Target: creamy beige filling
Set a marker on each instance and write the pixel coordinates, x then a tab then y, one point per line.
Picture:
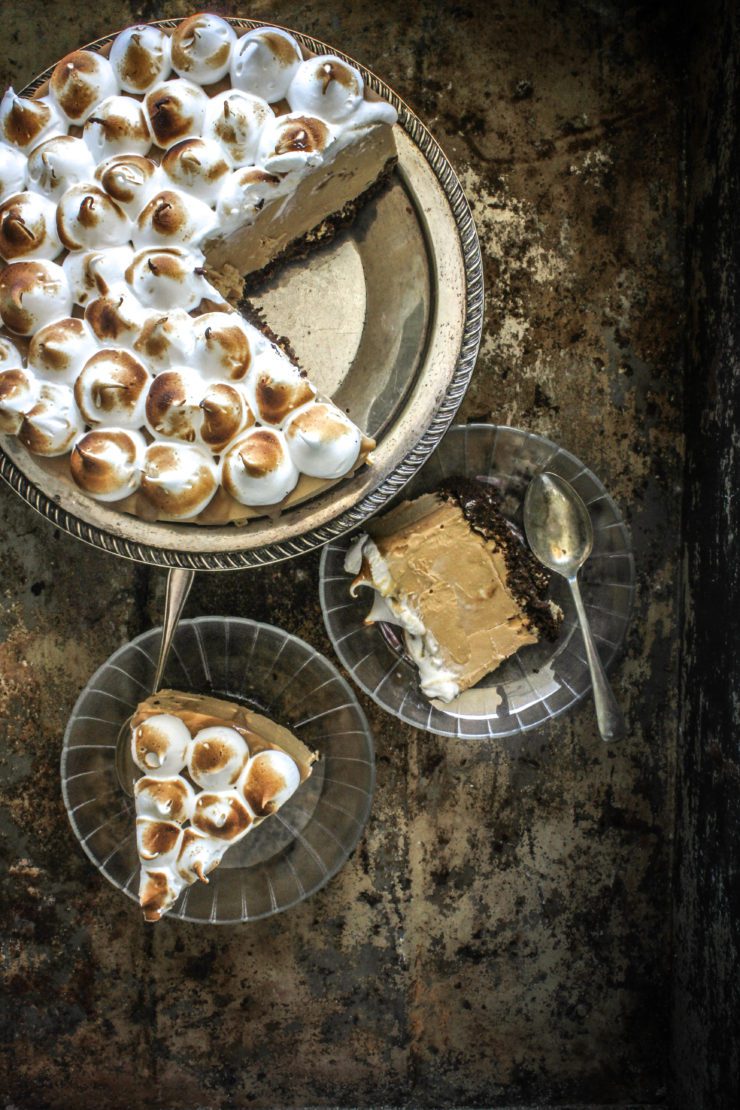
455	582
317	196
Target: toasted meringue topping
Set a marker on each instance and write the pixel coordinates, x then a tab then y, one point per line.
130	179
179	479
79	82
221	813
24	123
169	278
140	57
199	166
58	163
28	227
293	142
201	48
225	414
58	351
116	319
326	86
167	340
264	61
322	441
10	356
107	462
13	167
94	274
33	294
157	841
244	193
199	855
268	780
164	799
257	468
221	346
216	757
158	891
175	110
19	392
159	744
172	218
275	387
117	126
87	218
173	405
235	119
112	389
52	425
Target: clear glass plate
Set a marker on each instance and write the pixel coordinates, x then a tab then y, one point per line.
295	852
540	681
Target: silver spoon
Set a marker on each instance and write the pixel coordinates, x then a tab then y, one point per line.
178	587
560	533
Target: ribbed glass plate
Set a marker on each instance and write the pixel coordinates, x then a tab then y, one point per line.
292	854
541	680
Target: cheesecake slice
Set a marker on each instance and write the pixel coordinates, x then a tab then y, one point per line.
212	771
450	570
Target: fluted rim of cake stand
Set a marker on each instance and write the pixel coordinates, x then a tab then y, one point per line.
371	502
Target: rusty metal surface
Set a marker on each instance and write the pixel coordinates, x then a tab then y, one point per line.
502	935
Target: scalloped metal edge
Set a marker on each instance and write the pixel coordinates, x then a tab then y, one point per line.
377	498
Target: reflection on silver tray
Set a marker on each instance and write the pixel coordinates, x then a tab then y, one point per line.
541	680
387	319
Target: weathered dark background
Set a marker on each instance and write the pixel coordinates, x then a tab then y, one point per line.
504	933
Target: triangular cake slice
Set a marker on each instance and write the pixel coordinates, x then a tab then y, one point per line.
452	572
213	771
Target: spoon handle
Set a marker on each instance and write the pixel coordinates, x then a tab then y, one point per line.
608	714
179	582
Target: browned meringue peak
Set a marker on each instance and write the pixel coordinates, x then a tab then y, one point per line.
201	48
94	274
225	414
107	462
24	122
28	227
216	757
292	141
157	839
198	855
199	166
172	218
244	194
87	218
235	119
275	388
166	340
173	404
159	745
57	163
222	814
117	126
164	278
112	389
116	319
33	294
175	110
79	82
53	424
222	348
59	350
268	780
326	86
19	392
140	57
257	468
167	799
179	479
130	179
157	894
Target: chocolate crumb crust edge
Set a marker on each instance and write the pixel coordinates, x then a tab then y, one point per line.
528	580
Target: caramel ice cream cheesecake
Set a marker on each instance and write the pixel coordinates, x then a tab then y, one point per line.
212	771
134	185
452	573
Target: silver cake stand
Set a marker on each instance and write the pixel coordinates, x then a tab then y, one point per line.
387	320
